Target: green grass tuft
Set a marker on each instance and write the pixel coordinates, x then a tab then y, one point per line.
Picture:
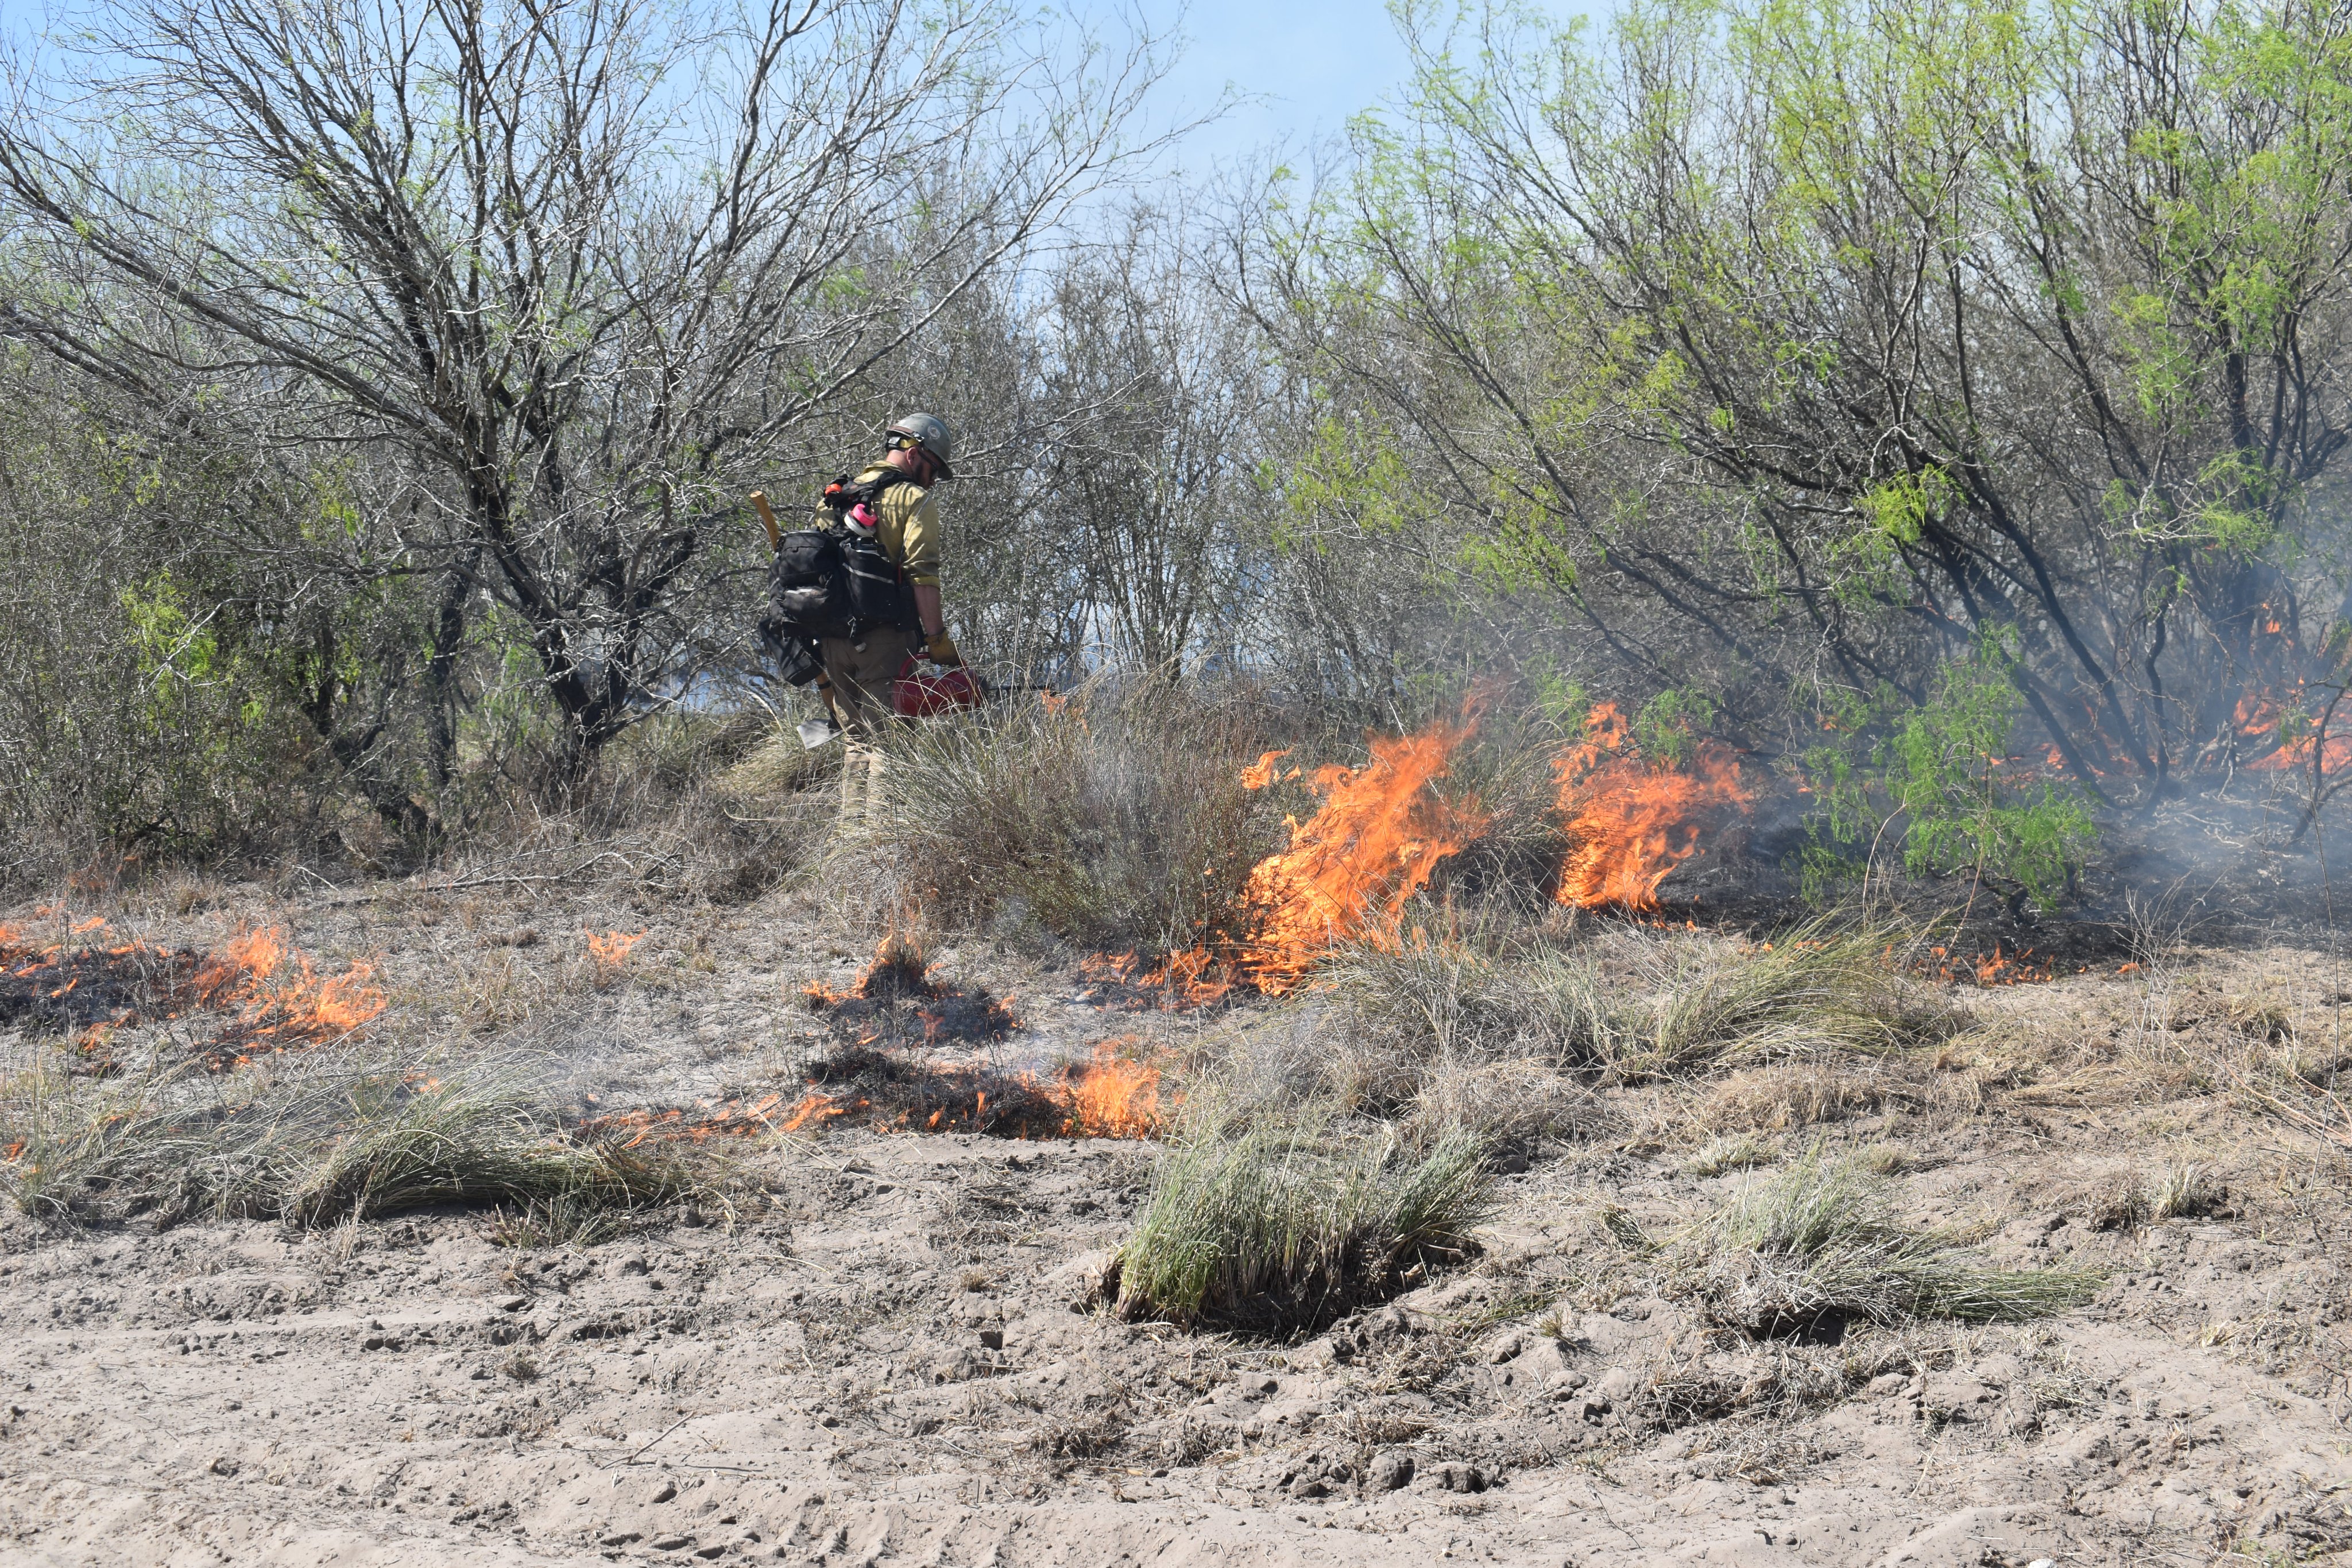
1817	1244
316	1144
1278	1226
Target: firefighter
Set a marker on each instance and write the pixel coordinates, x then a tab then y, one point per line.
859	672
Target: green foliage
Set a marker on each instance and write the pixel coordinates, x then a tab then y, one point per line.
1668	727
1759	335
1940	769
134	716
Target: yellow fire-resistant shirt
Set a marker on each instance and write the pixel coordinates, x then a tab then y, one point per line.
909	528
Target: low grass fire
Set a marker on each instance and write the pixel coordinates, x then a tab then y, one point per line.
1382	830
1116	1091
269	996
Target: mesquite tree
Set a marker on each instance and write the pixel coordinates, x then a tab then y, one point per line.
570	275
1806	347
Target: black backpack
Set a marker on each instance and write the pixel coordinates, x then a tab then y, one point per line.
834	580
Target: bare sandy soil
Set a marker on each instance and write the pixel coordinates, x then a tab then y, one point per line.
892	1350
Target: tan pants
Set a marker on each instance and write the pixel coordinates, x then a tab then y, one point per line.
861	679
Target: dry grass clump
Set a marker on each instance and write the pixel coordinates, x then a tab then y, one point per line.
1454	1031
1817	1245
1631	1005
1787	1095
1816	987
1278	1224
1732	1151
2183	1190
1475	990
1113	818
314	1145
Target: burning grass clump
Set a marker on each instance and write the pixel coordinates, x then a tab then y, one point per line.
264	993
313	1146
1115	1093
897	1001
1277	1225
1807	1250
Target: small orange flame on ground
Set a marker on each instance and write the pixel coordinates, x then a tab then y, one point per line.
283	999
1999	968
819	1109
1633	822
1116	1092
278	995
611	951
1114	1095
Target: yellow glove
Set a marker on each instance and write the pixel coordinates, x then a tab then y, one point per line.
941	650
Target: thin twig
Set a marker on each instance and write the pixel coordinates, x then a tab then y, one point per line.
633	1458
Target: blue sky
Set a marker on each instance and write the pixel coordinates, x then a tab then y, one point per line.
1312	62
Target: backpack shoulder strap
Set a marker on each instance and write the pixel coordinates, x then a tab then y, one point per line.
846	491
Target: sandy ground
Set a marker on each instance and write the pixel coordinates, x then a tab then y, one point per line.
893	1351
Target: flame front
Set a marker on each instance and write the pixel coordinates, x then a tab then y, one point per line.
1632	822
1112	1096
1350	867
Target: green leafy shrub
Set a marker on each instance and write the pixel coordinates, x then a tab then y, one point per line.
1937	769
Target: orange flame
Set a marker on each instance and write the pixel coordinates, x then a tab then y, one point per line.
1348	872
278	996
235	973
2260	724
301	1006
1634	822
1350	867
611	951
1112	1096
1262	772
818	1109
